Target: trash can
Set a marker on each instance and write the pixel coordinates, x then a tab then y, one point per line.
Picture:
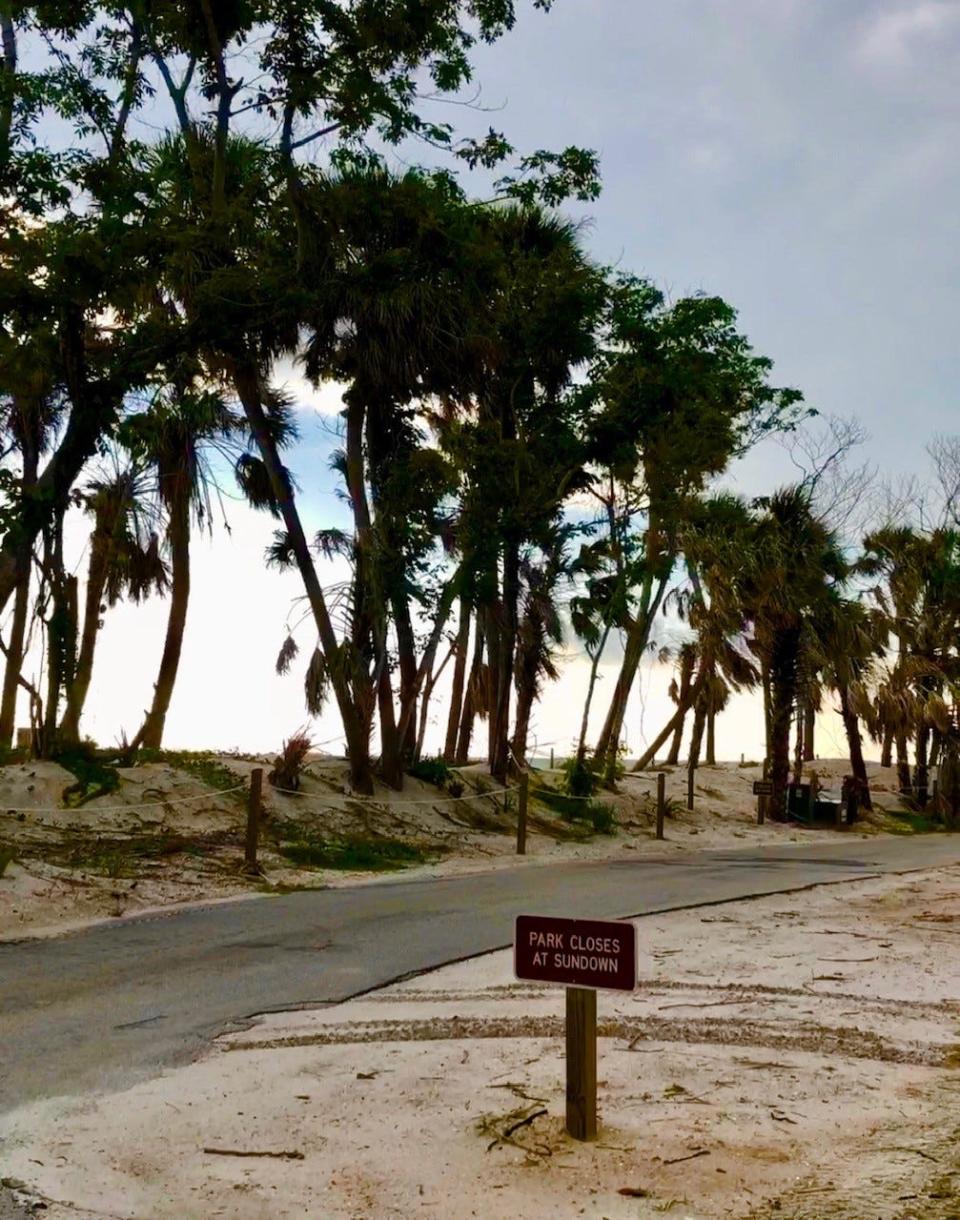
799	803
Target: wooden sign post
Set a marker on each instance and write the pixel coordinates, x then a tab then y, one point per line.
522	813
661	802
762	788
585	956
254	813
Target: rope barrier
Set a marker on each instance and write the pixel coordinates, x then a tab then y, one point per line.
180	800
373	800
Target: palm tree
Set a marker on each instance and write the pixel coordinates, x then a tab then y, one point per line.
796	563
124	561
173	435
540	634
29	413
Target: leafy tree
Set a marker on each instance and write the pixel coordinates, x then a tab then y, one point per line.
680	392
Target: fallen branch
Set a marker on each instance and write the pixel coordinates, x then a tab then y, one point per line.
710	1004
691	1156
282	1156
523	1122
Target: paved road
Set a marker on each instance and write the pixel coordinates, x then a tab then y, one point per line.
100	1009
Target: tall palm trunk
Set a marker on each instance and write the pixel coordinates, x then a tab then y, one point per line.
903	763
23	555
851	726
61	629
687	663
652	592
886	750
502	636
592	684
469	712
459	676
784	656
78	688
696	738
178	535
920	771
809	731
355	717
798	745
14	657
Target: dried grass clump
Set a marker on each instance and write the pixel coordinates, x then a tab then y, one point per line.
289	763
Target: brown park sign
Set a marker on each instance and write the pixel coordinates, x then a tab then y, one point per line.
763	787
600	954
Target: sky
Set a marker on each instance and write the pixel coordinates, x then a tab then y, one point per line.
797	157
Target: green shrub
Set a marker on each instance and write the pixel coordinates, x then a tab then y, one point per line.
434	771
580	777
455	787
603	818
352	852
94	778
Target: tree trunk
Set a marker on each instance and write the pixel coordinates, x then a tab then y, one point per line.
711	737
673	758
809	731
696	738
92	412
798	750
21	607
61	630
676	719
14	658
503	644
469	703
391	763
903	763
886	750
688	661
430	681
767	722
637	640
150	735
855	745
591	687
355	718
920	771
783	692
78	688
459	676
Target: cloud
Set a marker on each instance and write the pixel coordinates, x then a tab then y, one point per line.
892	38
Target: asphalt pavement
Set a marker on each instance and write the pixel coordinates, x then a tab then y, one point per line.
102	1008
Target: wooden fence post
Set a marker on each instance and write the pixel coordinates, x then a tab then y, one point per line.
522	814
254	807
581	1063
691	776
661	802
551	758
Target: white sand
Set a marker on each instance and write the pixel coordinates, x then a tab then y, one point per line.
43	893
791	1056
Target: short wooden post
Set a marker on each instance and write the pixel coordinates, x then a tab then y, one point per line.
551	758
522	814
742	759
691	776
762	800
661	802
254	805
581	1063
